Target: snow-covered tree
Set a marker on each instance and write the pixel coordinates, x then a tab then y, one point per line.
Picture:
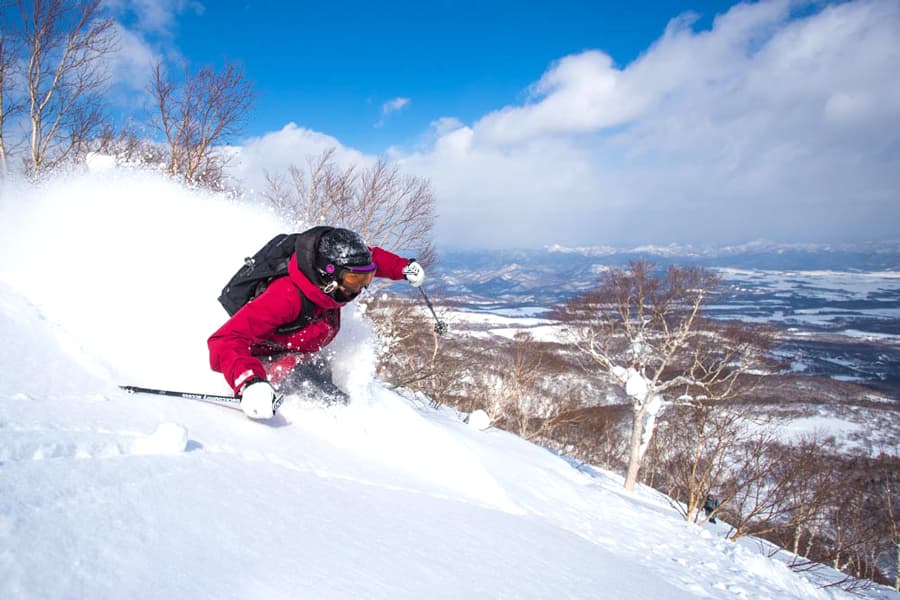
646	334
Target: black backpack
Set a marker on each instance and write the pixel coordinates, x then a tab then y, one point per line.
251	280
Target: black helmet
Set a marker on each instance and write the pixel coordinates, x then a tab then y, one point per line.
341	249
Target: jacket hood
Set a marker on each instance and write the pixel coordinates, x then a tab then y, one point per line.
307	249
302	269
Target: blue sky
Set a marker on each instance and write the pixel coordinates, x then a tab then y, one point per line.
705	123
332	66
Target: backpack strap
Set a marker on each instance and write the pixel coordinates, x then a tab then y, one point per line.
307	309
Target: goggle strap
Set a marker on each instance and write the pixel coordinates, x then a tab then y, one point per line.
365	269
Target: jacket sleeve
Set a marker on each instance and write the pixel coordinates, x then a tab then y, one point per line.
390	265
230	346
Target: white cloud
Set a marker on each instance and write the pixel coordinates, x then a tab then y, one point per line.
580	93
132	64
391	106
154	16
767	125
394	105
291	145
445	125
145	36
585	92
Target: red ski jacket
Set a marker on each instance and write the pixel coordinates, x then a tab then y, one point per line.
251	332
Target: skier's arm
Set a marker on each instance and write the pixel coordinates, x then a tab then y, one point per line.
230	346
390	266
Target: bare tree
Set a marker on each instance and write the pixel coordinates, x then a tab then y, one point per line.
65	43
808	464
386	207
853	532
515	371
206	109
414	357
646	334
128	147
892	510
863	523
767	492
10	48
566	412
593	434
304	197
696	449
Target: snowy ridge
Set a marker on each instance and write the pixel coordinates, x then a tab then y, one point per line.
108	495
753	247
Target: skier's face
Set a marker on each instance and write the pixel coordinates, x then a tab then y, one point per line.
353	282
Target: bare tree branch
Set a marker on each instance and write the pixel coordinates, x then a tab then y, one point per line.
65	43
206	110
11	45
387	208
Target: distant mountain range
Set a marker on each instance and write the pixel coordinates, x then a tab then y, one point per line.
547	276
755	248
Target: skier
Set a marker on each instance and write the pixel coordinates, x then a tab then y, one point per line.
710	507
330	267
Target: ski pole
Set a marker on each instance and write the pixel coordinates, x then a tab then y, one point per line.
134	389
440	327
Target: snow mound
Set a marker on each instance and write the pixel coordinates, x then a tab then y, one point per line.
169	438
479	420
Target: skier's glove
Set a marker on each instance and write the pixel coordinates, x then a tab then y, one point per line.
414	273
257	400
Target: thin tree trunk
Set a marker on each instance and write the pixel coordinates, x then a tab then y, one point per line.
897	578
3	170
634	459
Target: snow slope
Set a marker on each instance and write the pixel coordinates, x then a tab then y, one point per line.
106	495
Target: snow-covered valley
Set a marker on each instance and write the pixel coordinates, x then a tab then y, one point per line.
842	323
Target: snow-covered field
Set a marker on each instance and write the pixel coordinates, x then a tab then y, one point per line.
841	322
112	278
830	285
488	324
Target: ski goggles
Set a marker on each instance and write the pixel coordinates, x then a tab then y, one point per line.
354	279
